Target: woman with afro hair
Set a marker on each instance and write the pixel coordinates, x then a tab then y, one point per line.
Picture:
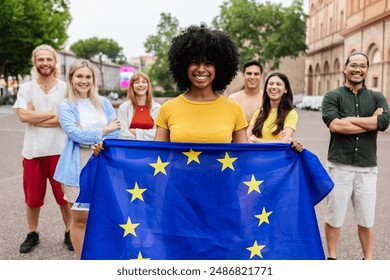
202	62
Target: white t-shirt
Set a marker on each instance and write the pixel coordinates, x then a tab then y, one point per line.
41	141
89	116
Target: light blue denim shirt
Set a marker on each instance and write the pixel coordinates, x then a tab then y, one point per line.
68	168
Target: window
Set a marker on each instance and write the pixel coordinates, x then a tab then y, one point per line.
336	66
374	54
375	82
376	57
326	67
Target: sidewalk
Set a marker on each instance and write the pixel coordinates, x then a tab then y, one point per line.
6	109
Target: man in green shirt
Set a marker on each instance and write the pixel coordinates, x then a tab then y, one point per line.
354	115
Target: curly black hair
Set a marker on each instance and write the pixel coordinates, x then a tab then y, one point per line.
199	43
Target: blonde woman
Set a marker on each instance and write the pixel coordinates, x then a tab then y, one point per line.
86	118
138	114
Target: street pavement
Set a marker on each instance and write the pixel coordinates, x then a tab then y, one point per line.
311	131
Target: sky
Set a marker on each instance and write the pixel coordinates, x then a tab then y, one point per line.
130	22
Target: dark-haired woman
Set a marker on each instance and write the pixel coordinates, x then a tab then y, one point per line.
276	120
202	62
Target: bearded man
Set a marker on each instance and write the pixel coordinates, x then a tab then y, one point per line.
43	141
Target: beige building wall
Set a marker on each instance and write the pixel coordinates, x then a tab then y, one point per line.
294	68
337	28
142	62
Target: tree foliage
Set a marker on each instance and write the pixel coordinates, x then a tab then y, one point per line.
159	46
267	31
24	25
100	49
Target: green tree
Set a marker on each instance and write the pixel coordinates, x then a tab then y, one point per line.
100	49
24	25
267	31
159	46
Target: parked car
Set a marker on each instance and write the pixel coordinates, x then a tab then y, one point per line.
310	103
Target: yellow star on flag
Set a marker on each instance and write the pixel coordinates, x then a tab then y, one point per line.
192	156
136	193
129	227
263	217
159	166
140	257
256	250
253	184
227	162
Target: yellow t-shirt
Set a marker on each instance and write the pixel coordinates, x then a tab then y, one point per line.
270	126
209	122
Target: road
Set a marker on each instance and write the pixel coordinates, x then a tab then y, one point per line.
311	131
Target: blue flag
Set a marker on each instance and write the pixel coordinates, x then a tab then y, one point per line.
187	201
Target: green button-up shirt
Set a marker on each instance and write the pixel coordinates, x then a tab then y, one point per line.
354	149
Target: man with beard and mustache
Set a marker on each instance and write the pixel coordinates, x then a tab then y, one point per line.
43	143
354	115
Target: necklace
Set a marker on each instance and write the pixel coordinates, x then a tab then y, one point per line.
47	87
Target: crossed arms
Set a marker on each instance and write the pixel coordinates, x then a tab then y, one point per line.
355	125
42	119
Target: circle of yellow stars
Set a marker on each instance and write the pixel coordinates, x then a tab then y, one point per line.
193	156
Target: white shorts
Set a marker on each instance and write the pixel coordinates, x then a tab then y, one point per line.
71	193
360	188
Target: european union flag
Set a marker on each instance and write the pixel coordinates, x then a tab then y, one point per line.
187	201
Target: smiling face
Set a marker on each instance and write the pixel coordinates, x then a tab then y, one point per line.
141	86
201	74
82	81
356	70
252	77
45	62
275	89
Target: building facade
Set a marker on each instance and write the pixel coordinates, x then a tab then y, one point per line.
111	71
142	62
335	29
